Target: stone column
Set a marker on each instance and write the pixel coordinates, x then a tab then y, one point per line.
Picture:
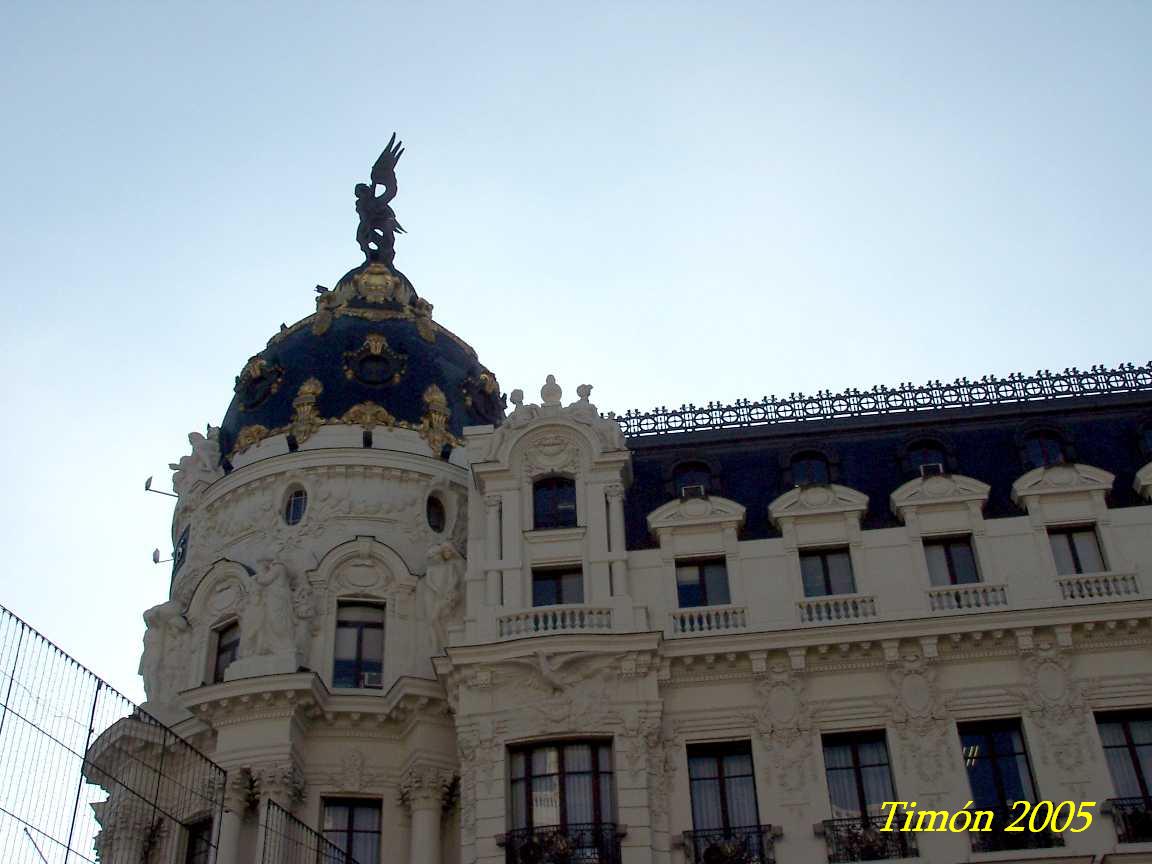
616	542
422	791
283	784
237	800
493	588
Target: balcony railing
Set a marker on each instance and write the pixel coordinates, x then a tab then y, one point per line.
960	598
837	608
586	843
862	840
709	619
999	840
1099	586
556	619
1133	819
752	844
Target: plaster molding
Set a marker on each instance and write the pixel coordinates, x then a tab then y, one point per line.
708	512
1064	479
937	491
817	500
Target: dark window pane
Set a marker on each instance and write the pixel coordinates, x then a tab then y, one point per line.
925	453
812	570
963	563
716	582
1043	450
840	573
545	591
691	474
1088	551
1062	552
997	765
554	503
434	513
938	570
810	468
295	507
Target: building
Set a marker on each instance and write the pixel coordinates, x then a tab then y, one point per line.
443	628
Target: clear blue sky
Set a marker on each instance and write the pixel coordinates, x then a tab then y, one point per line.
670	201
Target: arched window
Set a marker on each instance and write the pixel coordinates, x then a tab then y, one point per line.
926	451
295	506
695	476
810	468
554	503
1043	450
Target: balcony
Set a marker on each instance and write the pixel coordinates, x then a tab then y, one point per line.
1098	587
753	844
708	619
862	840
555	619
962	598
999	840
1133	819
837	608
587	843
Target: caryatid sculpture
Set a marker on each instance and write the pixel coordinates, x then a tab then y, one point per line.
378	226
268	620
202	465
160	661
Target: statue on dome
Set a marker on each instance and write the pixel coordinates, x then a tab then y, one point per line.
378	226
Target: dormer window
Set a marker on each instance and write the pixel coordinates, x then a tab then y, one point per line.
810	468
691	479
926	457
554	503
1043	450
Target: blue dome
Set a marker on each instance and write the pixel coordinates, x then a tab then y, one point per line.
371	354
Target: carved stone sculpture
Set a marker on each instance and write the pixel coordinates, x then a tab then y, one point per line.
201	466
267	622
160	661
441	589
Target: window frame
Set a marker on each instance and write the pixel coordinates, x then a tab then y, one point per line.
701	583
1067	532
295	494
359	627
350	831
196	829
556	573
1125	718
948	541
855	739
219	646
822	552
527	749
551	484
987	729
718	750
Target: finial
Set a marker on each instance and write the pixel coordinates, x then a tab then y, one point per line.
550	393
517	397
378	226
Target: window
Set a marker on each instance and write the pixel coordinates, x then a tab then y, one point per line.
359	646
1127	740
691	474
353	824
554	586
951	560
925	452
859	778
827	571
1043	450
810	468
227	647
199	848
435	514
296	505
1076	550
702	583
722	785
554	503
562	785
998	775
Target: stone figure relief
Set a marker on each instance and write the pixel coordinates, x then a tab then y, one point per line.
440	590
1055	702
268	620
202	466
920	714
784	721
163	653
606	429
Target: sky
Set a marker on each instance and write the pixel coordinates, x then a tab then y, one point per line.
672	201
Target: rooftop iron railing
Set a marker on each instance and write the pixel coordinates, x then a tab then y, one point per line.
903	399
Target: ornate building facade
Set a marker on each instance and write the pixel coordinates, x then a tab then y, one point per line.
443	628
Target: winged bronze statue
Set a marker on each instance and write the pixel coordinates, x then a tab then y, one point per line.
378	226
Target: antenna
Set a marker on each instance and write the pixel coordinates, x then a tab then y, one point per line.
148	488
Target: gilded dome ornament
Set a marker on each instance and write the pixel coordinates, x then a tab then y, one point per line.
258	380
375	364
305	418
369	415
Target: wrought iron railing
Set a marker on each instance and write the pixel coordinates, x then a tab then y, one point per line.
585	843
287	840
86	775
753	844
1133	819
999	840
906	398
862	840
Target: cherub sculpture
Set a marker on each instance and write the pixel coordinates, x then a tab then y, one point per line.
378	226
